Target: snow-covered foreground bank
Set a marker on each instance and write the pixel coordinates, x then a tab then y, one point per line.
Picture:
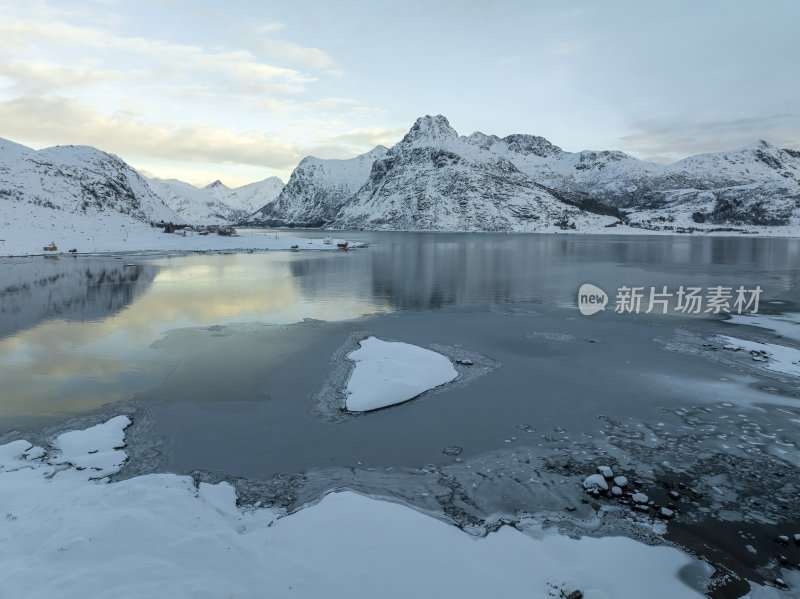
63	534
390	372
114	232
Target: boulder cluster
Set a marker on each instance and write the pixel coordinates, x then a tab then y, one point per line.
605	484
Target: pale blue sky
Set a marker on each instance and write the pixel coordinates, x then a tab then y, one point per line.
243	90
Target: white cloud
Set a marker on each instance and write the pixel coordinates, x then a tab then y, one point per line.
294	54
667	141
49	76
370	136
44	119
270	27
239	68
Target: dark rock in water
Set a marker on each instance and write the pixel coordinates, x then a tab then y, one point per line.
675	495
453	450
782	540
575	595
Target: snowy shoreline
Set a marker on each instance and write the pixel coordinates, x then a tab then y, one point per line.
125	236
167	534
152	242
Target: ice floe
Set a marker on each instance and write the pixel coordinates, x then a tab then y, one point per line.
785	325
777	358
390	372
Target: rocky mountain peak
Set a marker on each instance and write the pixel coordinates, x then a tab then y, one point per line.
531	144
215	185
429	129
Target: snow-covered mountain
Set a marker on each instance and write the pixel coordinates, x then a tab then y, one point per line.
76	197
247	199
758	184
75	179
215	203
317	190
434	179
193	206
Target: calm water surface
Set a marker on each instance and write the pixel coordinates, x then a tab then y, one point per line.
78	333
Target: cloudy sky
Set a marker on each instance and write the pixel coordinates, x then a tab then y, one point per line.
243	90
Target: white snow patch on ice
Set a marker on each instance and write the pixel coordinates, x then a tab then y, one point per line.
389	372
778	358
785	325
96	449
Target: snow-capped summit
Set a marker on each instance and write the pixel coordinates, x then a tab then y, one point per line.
216	186
430	130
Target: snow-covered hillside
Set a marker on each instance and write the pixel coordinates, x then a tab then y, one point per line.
247	199
215	203
193	205
82	199
436	179
76	179
74	196
317	190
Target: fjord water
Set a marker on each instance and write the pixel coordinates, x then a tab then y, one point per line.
227	350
